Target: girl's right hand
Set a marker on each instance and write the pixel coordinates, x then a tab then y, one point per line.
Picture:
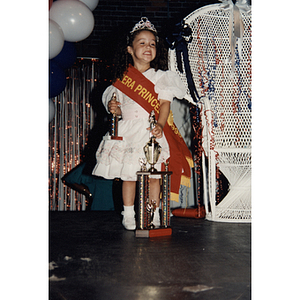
114	107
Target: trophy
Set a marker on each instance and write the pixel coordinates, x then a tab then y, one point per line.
114	123
152	149
147	207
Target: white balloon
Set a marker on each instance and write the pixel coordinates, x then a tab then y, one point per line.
75	19
91	4
56	39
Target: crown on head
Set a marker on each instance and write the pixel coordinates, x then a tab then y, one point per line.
143	24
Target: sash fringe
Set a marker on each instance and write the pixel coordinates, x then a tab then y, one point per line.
174	197
190	161
186	181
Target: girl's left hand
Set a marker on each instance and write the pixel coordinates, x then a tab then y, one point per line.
157	131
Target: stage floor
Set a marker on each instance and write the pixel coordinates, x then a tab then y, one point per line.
92	257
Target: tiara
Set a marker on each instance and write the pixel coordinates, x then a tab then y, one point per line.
143	24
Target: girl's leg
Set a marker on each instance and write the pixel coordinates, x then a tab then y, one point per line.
154	190
128	193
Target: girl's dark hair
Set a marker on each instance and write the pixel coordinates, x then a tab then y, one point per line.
123	58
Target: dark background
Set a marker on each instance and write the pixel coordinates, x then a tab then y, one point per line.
115	17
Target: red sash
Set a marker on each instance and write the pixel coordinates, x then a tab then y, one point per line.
137	87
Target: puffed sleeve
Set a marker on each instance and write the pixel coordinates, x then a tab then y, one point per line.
169	86
106	97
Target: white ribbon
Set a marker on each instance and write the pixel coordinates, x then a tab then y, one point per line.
236	26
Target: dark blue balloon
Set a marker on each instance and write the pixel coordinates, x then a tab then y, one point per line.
57	79
67	56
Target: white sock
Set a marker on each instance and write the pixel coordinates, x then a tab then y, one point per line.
128	210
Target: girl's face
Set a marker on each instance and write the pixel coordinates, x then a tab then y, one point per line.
143	49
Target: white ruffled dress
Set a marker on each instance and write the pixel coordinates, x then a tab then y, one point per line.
120	159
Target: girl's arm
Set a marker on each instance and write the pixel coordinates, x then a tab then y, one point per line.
111	104
162	118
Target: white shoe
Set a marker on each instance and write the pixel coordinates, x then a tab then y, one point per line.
128	221
156	219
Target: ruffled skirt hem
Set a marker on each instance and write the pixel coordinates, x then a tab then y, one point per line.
121	159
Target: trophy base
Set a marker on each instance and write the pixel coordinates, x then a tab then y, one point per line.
118	138
156	232
110	137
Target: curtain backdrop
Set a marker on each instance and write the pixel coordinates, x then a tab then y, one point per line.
68	131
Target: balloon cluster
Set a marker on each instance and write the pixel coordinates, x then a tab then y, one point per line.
70	21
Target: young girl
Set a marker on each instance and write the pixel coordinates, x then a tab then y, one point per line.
120	159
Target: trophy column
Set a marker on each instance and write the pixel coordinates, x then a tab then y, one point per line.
165	201
143	193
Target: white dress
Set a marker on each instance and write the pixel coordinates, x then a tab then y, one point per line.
120	159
